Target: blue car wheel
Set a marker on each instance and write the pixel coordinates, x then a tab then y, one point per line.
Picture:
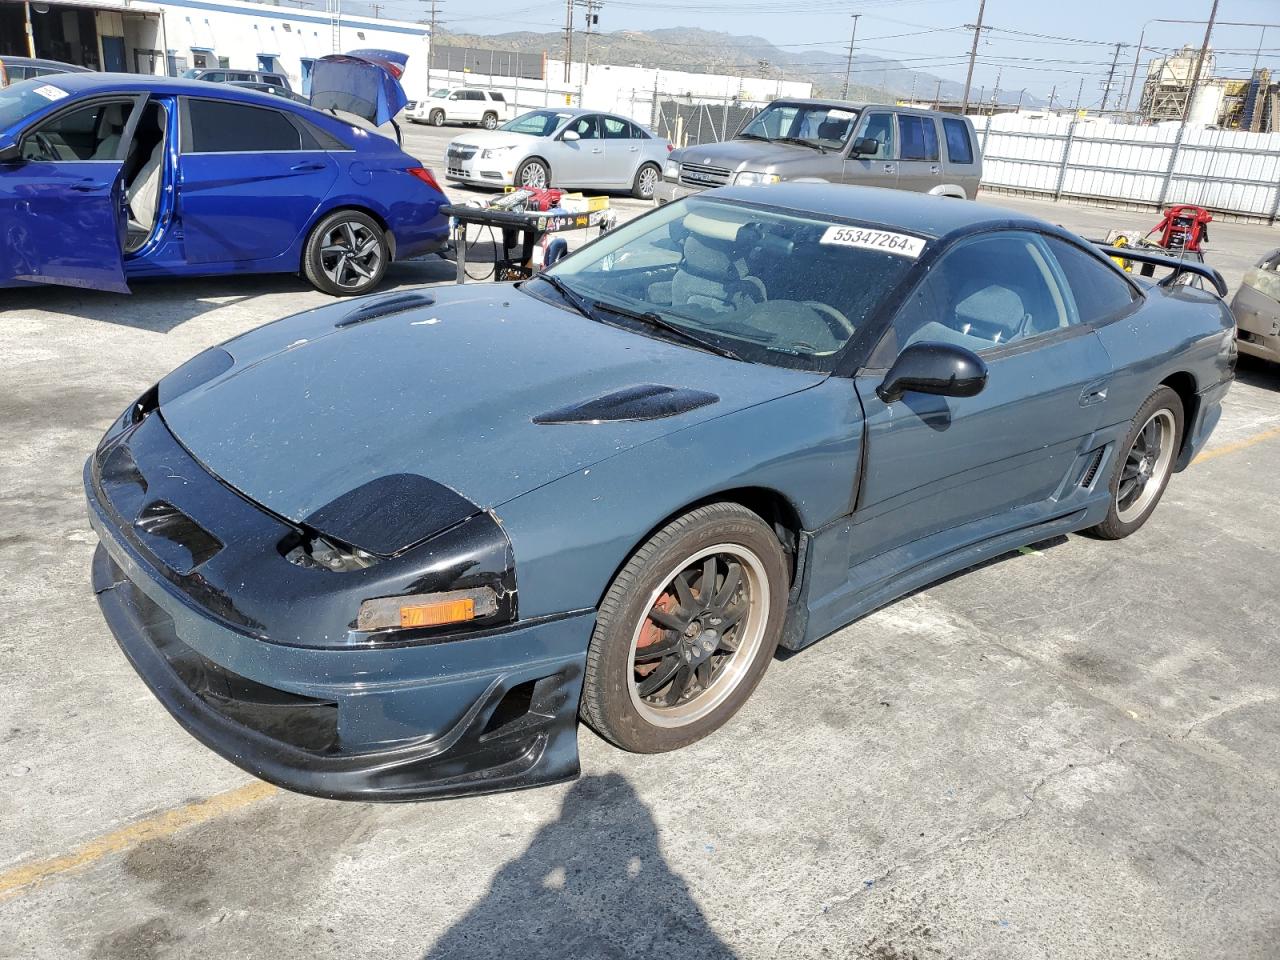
686	630
346	254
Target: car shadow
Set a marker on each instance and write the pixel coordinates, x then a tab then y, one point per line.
160	305
1257	372
593	883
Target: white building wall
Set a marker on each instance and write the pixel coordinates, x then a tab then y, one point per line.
242	32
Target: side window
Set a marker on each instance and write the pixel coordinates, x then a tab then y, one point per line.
498	97
214	77
272	79
982	294
919	138
585	127
879	126
636	133
217	127
91	132
616	129
1099	293
959	147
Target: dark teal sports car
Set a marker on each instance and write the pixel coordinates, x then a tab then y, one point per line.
395	548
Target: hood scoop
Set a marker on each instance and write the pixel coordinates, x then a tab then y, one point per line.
646	401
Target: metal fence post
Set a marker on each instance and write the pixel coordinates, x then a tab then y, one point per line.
1066	159
1173	159
1275	207
986	134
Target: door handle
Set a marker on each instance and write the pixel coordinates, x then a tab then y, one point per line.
310	165
635	149
597	150
935	169
1095	392
87	186
888	168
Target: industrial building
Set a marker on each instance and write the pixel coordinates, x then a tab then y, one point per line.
169	36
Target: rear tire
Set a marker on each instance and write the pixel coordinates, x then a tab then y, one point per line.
653	686
646	181
1144	465
437	118
346	254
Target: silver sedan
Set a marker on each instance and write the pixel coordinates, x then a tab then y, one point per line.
563	148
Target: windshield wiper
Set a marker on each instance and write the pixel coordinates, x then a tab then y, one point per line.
752	136
657	320
571	296
804	143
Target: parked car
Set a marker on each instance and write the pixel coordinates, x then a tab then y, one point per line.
837	142
394	550
1257	309
226	75
565	148
214	179
274	89
487	108
16	69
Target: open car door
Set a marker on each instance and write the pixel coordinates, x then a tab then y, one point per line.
62	197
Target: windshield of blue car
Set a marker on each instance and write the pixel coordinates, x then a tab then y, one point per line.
539	123
828	127
20	99
775	286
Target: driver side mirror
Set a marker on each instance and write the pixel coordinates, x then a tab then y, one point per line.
865	147
569	136
10	151
557	250
942	369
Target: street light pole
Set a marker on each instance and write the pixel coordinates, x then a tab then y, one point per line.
973	55
848	67
1137	54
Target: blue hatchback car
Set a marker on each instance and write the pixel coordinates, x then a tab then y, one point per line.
108	177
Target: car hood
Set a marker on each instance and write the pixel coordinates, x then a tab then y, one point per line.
316	406
749	154
496	138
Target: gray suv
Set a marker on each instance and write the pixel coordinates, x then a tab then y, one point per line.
837	142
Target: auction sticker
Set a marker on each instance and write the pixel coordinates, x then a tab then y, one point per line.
50	92
896	243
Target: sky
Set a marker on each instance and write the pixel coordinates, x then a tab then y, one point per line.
1038	45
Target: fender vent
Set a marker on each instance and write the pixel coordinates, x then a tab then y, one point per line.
1091	471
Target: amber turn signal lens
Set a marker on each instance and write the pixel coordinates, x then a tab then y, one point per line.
436	614
422	610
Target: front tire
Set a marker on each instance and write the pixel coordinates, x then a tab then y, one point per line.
533	174
686	630
346	254
437	118
490	121
646	181
1144	466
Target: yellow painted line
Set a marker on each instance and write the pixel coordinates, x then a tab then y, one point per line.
1237	445
160	825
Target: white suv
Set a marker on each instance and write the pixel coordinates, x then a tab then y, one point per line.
462	105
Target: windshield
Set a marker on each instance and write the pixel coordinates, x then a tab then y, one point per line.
191	73
730	273
440	94
539	123
20	99
817	124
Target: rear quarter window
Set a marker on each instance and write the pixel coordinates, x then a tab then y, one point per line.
959	146
1099	293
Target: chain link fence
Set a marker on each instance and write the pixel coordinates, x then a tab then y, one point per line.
686	123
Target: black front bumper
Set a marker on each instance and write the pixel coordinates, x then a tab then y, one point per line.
520	732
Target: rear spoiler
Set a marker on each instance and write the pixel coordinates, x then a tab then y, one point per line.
1138	255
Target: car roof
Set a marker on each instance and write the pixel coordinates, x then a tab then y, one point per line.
77	83
40	62
919	213
859	105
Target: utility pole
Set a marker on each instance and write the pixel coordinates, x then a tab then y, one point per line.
848	67
1079	94
1204	51
431	41
1021	96
1052	93
26	25
568	39
937	93
592	19
1137	55
376	8
1111	75
995	96
973	55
